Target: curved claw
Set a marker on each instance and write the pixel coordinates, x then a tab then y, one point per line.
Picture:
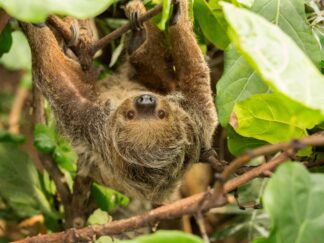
175	13
135	22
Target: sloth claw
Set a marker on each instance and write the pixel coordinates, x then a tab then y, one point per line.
136	24
175	13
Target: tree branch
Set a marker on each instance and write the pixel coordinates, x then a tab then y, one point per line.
188	205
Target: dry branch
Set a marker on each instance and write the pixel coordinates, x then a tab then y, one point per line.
188	205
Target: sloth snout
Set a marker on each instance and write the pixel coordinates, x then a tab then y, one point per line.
145	103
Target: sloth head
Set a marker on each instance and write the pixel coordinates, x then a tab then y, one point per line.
153	142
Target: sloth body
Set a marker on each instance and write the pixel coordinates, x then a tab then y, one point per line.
139	130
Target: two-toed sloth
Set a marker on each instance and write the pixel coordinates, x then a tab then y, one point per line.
141	129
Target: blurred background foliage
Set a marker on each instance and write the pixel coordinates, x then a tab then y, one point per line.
266	59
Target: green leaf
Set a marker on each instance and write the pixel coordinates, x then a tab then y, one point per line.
238	83
165	14
19	56
44	138
98	217
37	10
290	16
239	80
212	23
276	57
296	209
238	144
5	40
64	154
107	199
6	136
19	183
247	3
273	118
169	236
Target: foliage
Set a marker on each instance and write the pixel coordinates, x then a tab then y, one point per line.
20	185
5	40
37	10
166	236
108	199
296	211
161	236
271	91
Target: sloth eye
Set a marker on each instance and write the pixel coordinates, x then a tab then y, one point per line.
161	114
130	115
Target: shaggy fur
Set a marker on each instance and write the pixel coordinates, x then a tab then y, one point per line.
145	156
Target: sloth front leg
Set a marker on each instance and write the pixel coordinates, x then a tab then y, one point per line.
192	72
148	52
63	82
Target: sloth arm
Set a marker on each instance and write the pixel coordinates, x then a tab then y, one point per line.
148	53
62	81
193	75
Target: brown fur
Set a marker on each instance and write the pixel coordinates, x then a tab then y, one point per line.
147	156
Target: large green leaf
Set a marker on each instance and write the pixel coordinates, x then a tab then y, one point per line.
296	209
19	183
276	57
37	10
273	118
170	236
212	23
19	56
239	80
238	83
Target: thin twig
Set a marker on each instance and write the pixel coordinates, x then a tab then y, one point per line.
201	224
184	206
314	140
101	43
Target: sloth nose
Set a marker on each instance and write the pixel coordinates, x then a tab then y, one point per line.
145	103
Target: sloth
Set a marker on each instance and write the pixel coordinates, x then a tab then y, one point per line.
142	128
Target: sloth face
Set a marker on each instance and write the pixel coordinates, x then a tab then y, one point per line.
151	136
